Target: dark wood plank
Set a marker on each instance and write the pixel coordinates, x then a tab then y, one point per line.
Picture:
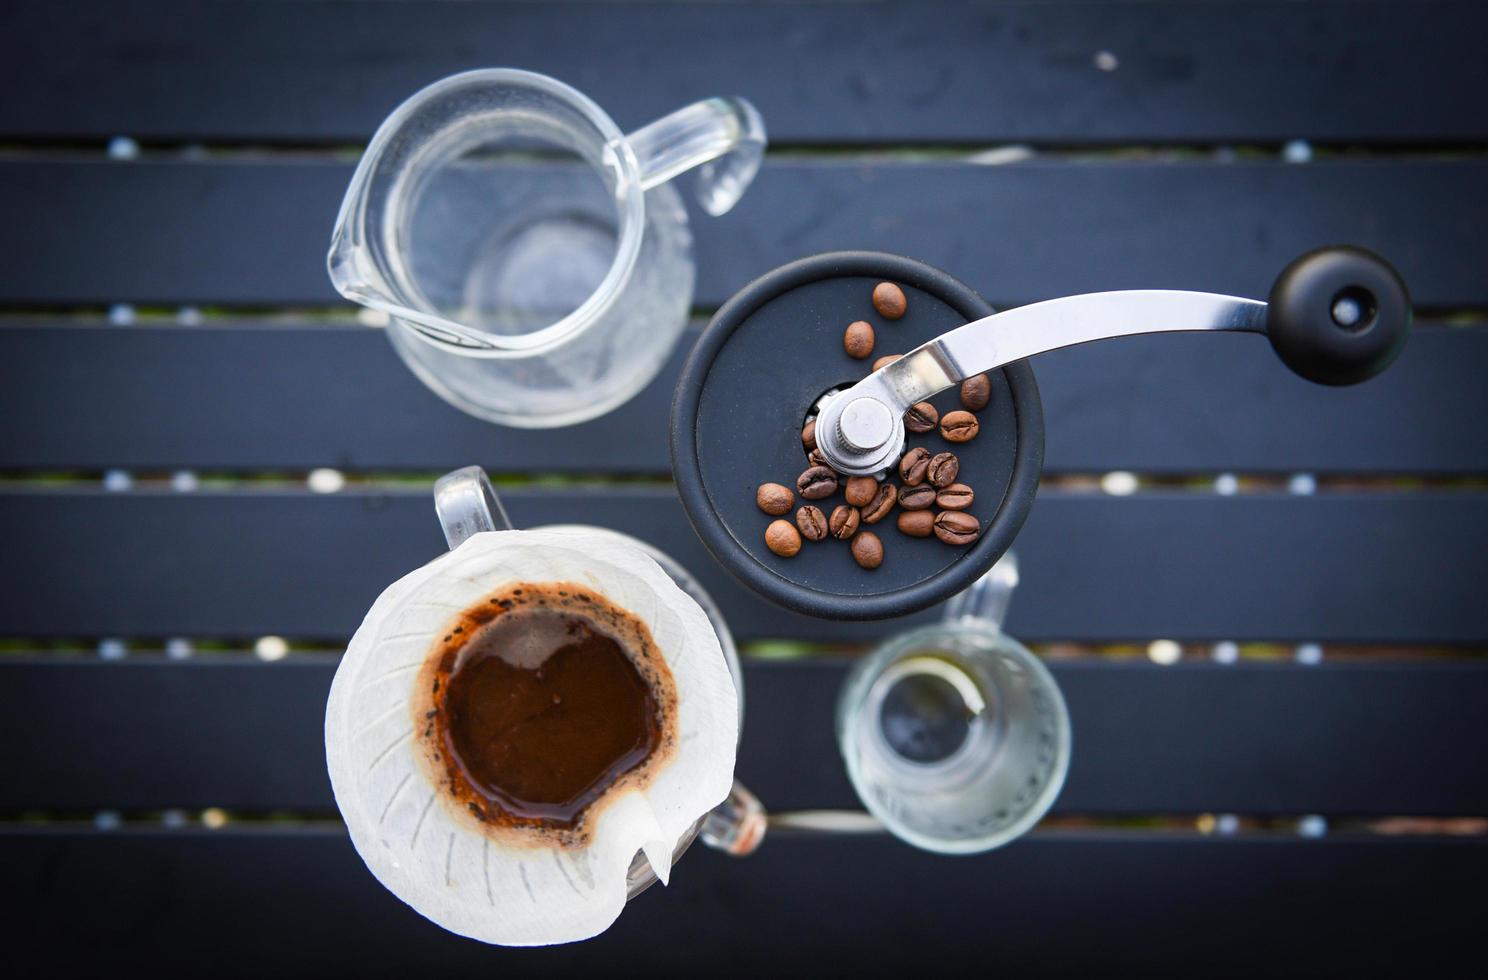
1365	567
235	233
250	397
245	398
1390	72
285	903
1195	738
1183	403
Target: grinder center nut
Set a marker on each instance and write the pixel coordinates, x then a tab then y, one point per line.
865	424
857	436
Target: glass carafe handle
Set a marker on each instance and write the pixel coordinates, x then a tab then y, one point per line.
725	137
986	599
467	505
737	825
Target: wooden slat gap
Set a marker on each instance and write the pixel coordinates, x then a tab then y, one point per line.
1119	484
1297	151
1218	654
1215	827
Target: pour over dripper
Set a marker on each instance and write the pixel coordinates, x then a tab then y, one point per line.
448	854
467	504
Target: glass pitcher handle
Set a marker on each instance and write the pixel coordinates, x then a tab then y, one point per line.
737	825
725	137
987	599
467	505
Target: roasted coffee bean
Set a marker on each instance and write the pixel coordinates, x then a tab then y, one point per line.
858	340
913	464
976	392
957	527
921	417
917	523
811	522
957	496
774	499
782	538
867	550
886	360
889	301
818	458
942	470
817	482
844	522
883	502
861	490
916	498
959	426
808	436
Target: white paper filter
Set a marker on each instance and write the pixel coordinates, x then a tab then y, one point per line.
408	834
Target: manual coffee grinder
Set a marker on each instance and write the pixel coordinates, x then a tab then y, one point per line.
772	359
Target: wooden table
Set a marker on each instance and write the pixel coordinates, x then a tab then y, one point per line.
173	362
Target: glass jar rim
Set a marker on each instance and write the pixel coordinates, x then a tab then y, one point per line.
453	337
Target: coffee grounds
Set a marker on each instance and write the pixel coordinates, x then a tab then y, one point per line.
541	701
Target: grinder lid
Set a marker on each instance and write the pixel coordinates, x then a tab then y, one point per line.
759	369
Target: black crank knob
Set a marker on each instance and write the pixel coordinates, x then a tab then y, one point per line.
1338	315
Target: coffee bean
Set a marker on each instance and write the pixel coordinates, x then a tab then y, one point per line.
808	436
782	538
976	392
883	502
942	470
917	523
916	498
858	340
818	458
957	496
861	490
959	426
867	550
816	483
889	301
774	499
811	522
921	417
913	464
957	527
885	361
844	522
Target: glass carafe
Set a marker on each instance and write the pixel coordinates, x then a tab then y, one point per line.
955	736
533	263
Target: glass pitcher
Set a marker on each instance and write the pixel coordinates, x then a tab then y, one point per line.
955	736
534	265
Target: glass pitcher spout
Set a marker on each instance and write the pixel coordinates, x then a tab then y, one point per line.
723	137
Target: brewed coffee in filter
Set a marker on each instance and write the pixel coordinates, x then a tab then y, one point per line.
483	781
